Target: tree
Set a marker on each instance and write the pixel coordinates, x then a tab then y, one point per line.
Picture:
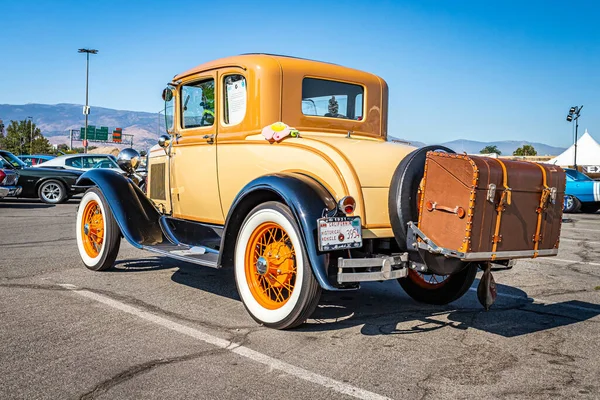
490	149
525	150
23	137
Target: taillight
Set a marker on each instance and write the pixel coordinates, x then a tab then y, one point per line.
347	205
2	176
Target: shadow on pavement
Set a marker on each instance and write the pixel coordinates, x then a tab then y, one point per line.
384	308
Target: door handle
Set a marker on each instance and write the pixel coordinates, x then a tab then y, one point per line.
209	138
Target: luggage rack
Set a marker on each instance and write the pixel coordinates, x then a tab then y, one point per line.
416	239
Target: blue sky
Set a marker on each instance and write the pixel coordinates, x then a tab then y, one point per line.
481	70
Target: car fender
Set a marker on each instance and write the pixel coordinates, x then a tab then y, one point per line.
306	198
136	216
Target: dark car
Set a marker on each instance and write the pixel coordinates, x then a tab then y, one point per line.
8	180
50	185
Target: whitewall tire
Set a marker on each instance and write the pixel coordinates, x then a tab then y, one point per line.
97	232
272	270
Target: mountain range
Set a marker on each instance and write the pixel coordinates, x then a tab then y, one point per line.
56	120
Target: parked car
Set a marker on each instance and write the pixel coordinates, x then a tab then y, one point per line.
50	185
8	180
582	192
280	168
35	159
82	162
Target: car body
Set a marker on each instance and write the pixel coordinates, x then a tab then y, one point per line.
35	159
582	192
82	162
8	180
280	168
49	185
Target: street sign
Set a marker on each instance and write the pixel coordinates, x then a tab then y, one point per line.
117	135
102	133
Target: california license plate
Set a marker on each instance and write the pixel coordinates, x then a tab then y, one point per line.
335	233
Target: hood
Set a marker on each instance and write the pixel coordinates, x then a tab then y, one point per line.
373	160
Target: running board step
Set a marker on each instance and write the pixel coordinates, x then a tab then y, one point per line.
194	254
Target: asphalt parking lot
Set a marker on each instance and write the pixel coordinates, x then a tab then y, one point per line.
154	328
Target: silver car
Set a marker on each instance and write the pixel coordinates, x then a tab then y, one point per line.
82	162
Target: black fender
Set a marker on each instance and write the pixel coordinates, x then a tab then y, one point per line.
306	198
136	216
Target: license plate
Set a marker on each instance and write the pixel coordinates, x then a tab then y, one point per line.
335	233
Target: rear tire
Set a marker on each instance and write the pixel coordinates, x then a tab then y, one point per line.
272	269
52	192
572	204
97	232
431	289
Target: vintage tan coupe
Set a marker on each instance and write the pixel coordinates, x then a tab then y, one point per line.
280	168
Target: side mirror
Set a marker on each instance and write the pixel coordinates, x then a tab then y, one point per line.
129	160
164	141
167	94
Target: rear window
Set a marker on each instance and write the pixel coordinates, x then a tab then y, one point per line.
332	99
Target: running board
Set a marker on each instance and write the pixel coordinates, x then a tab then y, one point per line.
193	254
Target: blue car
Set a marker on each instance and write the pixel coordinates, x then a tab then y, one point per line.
35	159
582	193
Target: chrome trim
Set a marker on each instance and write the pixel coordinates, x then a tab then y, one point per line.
428	245
491	193
385	263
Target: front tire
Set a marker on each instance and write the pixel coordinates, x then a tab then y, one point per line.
97	232
272	269
52	192
438	289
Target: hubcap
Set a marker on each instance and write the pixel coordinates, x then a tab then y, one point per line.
270	265
92	229
51	192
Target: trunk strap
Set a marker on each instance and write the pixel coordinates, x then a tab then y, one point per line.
505	199
545	197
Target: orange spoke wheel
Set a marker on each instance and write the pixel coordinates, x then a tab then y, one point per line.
427	281
270	265
92	229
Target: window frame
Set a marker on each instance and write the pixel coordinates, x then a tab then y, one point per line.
364	98
223	102
195	82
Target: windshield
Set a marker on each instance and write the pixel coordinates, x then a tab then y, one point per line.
13	160
4	164
578	176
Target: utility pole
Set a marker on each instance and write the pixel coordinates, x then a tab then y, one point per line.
86	109
31	138
574	115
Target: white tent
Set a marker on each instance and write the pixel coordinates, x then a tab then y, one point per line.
588	153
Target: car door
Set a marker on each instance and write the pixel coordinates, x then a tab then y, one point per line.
193	158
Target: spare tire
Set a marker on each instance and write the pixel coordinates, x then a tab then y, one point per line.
403	208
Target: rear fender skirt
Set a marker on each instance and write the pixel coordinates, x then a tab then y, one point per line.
137	218
306	198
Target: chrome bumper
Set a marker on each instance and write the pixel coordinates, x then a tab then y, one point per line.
378	268
9	191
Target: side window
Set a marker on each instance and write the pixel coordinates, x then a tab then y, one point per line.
332	99
235	99
198	104
74	162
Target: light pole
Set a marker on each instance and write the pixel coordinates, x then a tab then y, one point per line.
86	109
31	137
574	115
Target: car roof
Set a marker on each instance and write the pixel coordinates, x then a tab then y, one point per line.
263	59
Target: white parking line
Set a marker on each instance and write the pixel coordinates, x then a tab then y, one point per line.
580	229
578	240
243	351
560	260
545	302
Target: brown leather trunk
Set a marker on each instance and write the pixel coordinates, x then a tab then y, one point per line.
486	208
